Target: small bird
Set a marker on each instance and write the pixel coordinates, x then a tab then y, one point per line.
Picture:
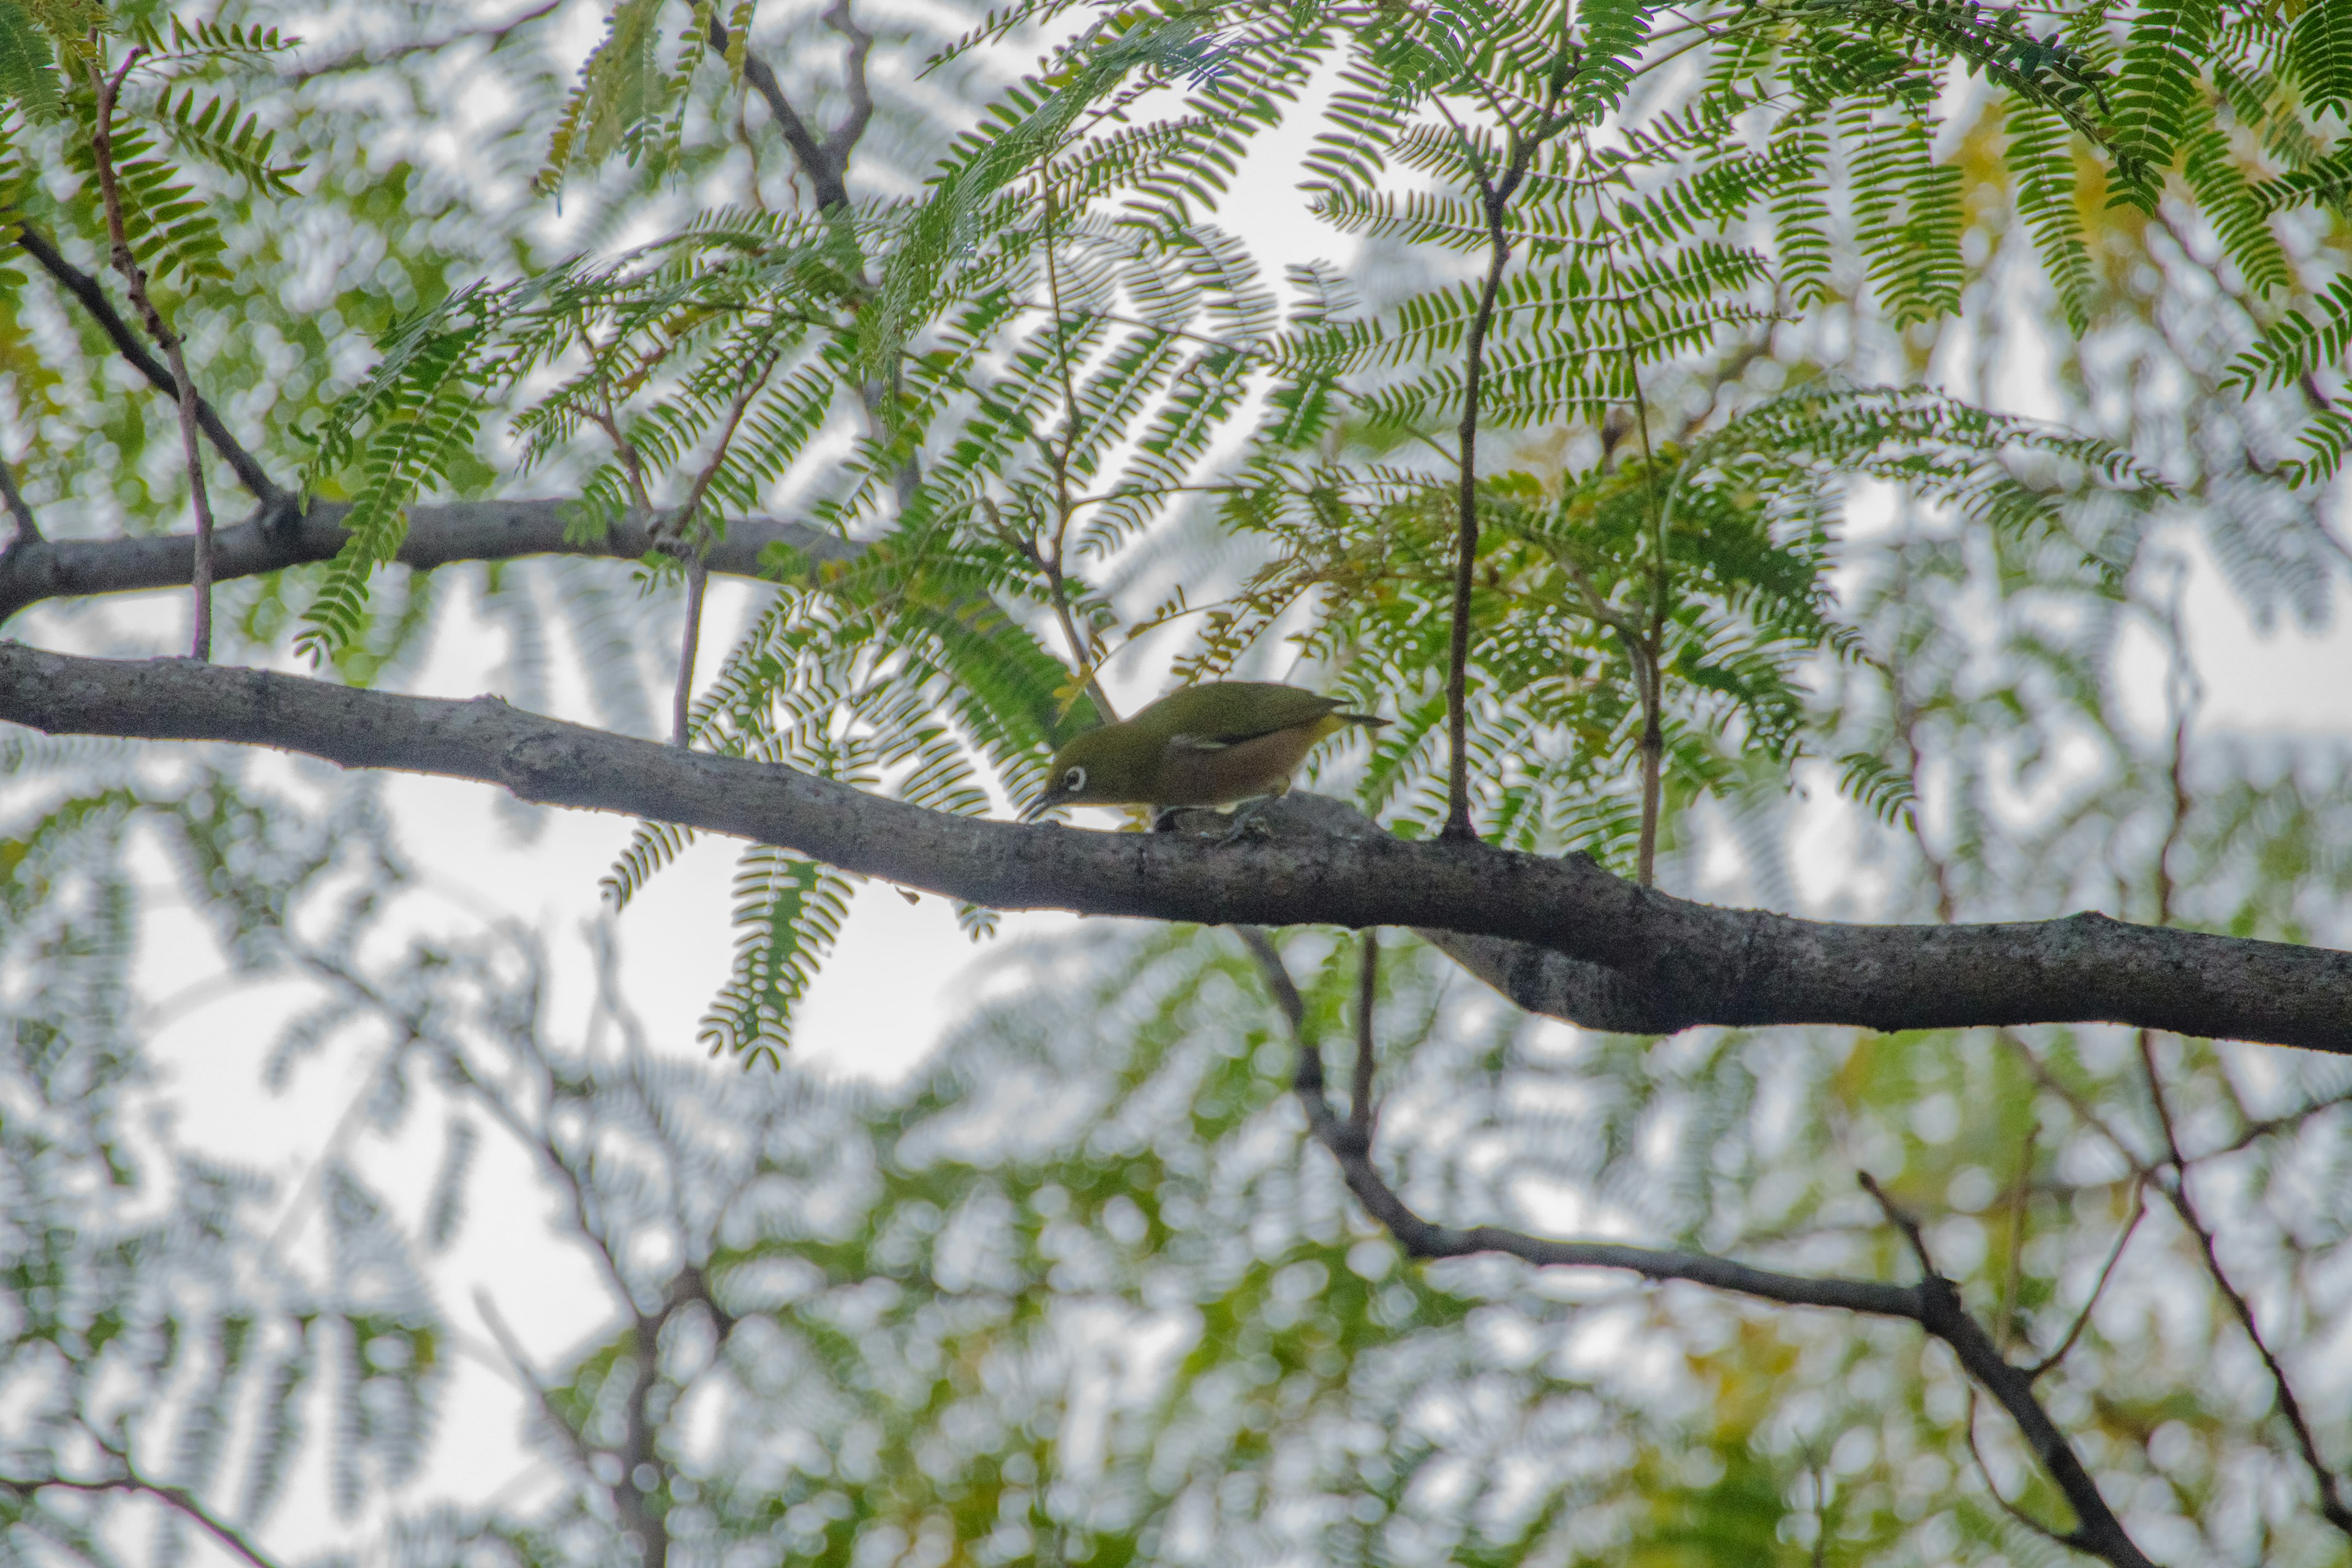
1210	745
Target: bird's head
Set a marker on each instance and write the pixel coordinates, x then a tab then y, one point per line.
1107	767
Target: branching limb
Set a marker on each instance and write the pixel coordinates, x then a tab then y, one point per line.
1495	195
85	288
1934	1303
518	1362
2098	1532
2333	1507
1984	1474
128	1477
825	163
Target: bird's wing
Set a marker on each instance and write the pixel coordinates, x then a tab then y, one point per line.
1202	717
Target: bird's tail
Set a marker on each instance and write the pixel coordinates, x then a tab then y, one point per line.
1374	720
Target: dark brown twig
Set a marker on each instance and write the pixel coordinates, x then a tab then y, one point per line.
1495	195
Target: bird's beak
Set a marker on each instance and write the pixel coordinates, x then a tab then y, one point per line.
1039	805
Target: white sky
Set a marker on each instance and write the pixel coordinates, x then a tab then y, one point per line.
880	1004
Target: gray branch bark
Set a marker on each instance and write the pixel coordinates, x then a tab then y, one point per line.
1687	964
42	569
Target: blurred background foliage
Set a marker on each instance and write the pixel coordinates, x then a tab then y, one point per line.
1080	1291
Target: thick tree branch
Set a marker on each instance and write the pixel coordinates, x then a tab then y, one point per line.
437	536
1692	963
1934	1303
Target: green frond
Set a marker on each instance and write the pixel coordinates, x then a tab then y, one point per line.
1614	31
788	912
2327	180
421	408
2325	440
2237	214
2042	172
28	64
2298	343
171	229
2155	92
214	133
1802	223
1878	786
1907	212
2319	58
623	95
651	846
212	40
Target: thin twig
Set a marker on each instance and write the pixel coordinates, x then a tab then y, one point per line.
92	298
1984	1473
681	703
512	1349
134	277
1495	195
694	543
178	1498
2332	1504
362	59
2098	1288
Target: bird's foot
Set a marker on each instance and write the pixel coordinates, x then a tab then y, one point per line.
1248	821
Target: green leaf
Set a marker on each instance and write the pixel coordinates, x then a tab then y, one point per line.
28	65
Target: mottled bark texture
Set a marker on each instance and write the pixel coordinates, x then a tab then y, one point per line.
437	536
1680	963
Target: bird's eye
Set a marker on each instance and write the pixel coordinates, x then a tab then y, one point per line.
1074	780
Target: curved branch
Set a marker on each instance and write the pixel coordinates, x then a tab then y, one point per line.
1934	1303
1692	964
437	536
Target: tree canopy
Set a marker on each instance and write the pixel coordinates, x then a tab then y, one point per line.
1765	449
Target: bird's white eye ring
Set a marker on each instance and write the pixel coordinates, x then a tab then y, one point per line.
1074	780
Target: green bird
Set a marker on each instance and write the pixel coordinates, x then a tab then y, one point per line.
1210	745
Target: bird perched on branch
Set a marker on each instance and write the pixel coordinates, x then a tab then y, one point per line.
1211	744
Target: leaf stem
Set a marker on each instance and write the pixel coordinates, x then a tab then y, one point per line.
109	89
1495	195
